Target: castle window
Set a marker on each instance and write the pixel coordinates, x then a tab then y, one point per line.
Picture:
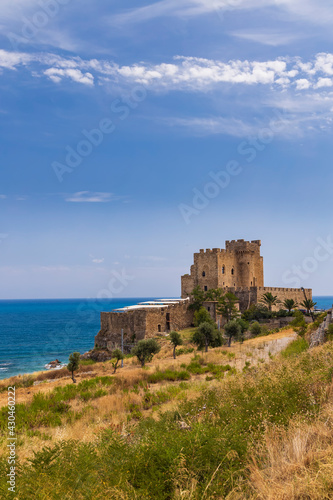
206	288
248	263
159	328
203	273
208	308
232	271
223	269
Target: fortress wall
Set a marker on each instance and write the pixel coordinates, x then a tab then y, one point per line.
132	322
173	317
246	296
284	293
143	323
187	285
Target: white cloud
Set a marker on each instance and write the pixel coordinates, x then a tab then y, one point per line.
213	126
56	75
302	84
3	196
324	82
90	197
95	260
183	73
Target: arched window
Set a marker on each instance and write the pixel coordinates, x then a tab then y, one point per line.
223	269
232	271
203	273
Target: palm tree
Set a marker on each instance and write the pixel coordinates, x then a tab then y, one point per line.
289	304
269	300
308	304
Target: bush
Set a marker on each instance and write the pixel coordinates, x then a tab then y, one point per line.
255	329
257	312
170	375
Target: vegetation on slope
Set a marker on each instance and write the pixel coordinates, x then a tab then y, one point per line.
233	440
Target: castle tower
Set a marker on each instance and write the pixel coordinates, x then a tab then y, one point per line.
238	265
249	266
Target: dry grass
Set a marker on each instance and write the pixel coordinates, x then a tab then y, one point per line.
296	463
112	411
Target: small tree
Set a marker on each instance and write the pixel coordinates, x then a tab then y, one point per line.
198	297
73	364
255	329
227	306
289	304
204	336
145	350
270	300
176	340
117	356
232	329
202	316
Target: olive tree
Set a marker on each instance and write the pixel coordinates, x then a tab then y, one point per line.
176	340
73	364
207	335
117	356
232	330
145	350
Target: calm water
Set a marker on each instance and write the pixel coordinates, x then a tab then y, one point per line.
35	332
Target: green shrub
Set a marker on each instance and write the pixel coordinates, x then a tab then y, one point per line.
255	329
296	347
170	375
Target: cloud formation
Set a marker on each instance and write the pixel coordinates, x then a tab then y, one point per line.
90	197
184	73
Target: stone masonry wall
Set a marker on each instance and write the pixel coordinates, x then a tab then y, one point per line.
284	293
143	323
318	337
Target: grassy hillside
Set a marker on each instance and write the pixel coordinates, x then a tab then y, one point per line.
239	423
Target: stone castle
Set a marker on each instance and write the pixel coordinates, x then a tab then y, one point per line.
238	269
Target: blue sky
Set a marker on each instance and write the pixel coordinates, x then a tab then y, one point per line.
131	137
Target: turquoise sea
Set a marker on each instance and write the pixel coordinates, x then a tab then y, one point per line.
35	332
